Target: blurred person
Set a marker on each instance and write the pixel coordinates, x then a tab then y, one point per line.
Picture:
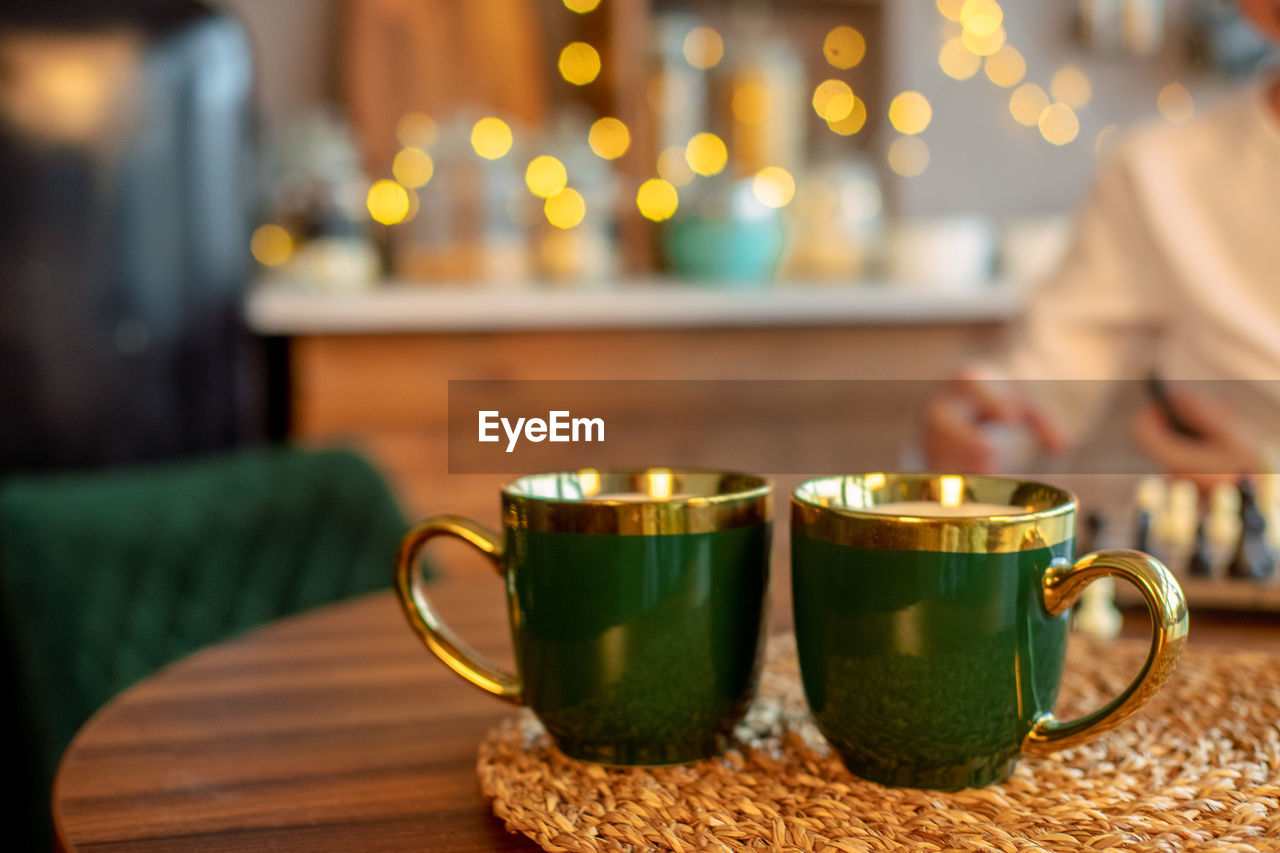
1173	271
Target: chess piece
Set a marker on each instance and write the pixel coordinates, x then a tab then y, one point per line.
1222	527
1253	560
1175	535
1149	500
1094	524
1096	615
1201	563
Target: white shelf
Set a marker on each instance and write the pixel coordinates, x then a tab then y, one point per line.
279	308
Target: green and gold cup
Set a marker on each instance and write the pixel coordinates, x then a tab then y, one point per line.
931	622
637	605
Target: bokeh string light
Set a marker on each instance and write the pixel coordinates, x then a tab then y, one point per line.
951	9
579	63
565	209
412	167
984	44
956	60
1006	67
657	199
703	48
1071	86
545	176
909	156
388	202
833	100
910	113
982	18
773	186
1026	103
609	138
673	167
844	47
1058	124
271	245
491	138
706	154
853	122
582	7
416	130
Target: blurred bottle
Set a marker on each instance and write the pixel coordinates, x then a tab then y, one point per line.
127	160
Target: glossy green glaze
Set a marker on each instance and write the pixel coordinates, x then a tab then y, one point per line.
640	649
925	668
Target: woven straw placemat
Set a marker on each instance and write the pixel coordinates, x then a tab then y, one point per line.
1197	770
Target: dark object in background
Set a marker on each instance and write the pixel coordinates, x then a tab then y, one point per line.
105	577
1201	563
125	157
1253	559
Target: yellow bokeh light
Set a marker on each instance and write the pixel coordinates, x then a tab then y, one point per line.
853	122
703	47
957	61
491	138
388	202
706	154
271	245
565	209
582	7
579	63
983	45
751	102
773	186
1103	140
833	99
413	167
657	199
609	138
844	47
1176	104
545	176
1058	124
673	167
1006	67
909	156
910	113
950	9
1027	102
981	17
1071	87
416	130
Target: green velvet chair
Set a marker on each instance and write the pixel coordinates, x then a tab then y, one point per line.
105	577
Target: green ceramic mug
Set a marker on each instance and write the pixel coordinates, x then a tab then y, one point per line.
930	615
636	601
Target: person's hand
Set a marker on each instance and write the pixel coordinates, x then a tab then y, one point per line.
1222	453
956	420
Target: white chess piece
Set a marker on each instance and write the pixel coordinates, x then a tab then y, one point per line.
1176	533
1096	614
1222	527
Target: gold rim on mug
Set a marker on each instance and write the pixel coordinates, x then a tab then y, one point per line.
640	501
836	509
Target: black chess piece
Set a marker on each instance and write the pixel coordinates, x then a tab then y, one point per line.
1201	562
1142	532
1094	524
1253	559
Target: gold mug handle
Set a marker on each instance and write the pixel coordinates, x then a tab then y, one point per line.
1061	586
437	636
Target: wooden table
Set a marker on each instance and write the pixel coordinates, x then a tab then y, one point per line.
334	730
